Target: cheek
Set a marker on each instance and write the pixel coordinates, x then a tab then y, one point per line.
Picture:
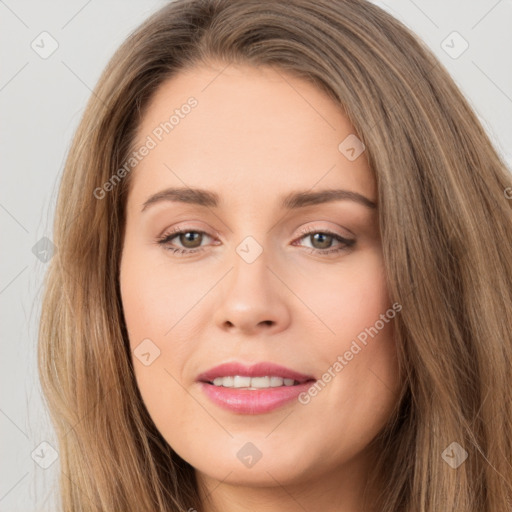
156	299
155	304
354	350
346	299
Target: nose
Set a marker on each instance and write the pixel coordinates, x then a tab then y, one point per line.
253	299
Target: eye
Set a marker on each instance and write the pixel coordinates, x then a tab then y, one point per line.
190	240
322	241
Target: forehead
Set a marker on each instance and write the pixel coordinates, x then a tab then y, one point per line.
252	132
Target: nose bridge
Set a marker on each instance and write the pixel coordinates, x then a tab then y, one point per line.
251	297
251	266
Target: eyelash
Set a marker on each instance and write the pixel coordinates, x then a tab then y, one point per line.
167	237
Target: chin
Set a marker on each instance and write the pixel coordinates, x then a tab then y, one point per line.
255	461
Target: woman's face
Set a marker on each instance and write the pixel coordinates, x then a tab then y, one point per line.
273	267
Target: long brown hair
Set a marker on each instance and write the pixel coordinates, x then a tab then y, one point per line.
446	228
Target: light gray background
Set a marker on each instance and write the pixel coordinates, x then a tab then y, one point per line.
41	102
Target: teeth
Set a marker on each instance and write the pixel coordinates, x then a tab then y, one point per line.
239	381
260	382
276	382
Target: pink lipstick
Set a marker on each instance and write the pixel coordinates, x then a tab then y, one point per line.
256	389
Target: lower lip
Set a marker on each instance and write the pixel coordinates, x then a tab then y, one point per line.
248	401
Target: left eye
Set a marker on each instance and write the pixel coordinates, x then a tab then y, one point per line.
325	238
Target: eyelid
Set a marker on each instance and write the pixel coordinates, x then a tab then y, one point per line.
180	225
174	232
339	232
316	229
348	241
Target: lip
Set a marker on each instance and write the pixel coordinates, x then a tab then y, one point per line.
246	401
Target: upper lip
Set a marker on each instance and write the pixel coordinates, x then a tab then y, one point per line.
256	370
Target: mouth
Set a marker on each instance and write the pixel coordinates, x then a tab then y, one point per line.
244	382
255	389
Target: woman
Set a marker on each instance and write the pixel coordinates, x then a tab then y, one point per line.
284	276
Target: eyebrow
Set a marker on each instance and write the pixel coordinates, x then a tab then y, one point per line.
291	201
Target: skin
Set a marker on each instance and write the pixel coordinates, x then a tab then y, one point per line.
255	135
